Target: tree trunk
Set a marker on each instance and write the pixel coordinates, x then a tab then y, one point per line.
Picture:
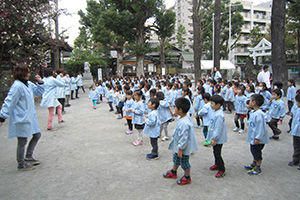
162	52
279	66
140	55
217	26
298	45
120	67
197	39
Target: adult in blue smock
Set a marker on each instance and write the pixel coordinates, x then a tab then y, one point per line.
49	98
19	107
79	84
216	74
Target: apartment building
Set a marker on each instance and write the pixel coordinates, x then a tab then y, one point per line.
254	15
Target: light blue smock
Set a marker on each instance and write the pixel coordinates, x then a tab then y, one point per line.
240	104
199	103
206	113
295	130
60	90
19	107
257	127
93	95
49	98
183	137
276	109
67	85
128	104
291	93
73	84
139	110
267	96
79	80
164	111
152	125
217	128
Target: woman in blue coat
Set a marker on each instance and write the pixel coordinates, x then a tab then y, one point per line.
19	107
49	98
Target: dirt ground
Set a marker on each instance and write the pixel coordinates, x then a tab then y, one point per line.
90	157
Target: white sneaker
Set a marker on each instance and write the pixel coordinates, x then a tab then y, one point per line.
236	129
165	138
241	131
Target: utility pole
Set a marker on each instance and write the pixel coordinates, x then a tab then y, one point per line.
56	51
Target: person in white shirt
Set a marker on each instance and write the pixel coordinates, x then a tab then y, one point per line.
264	76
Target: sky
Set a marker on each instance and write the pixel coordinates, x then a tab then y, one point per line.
71	22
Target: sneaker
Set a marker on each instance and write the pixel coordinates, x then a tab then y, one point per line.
164	138
116	112
228	112
25	167
279	122
32	161
151	157
119	116
49	129
249	167
206	143
94	107
62	121
214	167
111	110
254	171
169	174
137	143
184	181
241	131
220	174
236	129
274	137
298	167
129	132
293	163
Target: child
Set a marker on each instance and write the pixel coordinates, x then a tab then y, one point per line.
94	96
229	97
223	92
206	113
257	134
217	134
199	104
250	91
295	132
240	109
127	110
263	90
276	113
152	127
217	89
294	108
183	142
291	93
120	98
165	114
138	111
186	92
99	89
109	97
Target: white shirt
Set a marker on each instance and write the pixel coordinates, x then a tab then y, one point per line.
264	77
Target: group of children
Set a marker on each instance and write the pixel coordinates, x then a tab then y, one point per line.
149	105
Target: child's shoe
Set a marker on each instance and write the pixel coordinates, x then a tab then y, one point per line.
25	167
236	129
214	167
254	171
274	137
184	181
137	143
206	143
128	132
249	167
241	131
279	122
298	167
152	157
94	107
119	116
164	138
220	174
169	174
293	163
32	161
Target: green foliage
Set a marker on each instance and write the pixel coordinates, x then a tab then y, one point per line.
255	36
180	37
165	21
237	21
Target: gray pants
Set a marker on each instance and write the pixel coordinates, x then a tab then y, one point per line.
273	125
21	147
165	127
296	144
